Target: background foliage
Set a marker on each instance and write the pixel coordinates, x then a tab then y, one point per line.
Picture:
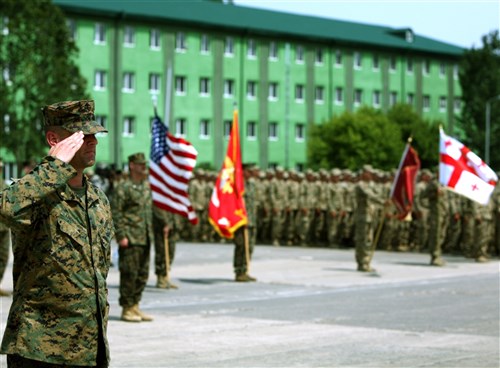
37	62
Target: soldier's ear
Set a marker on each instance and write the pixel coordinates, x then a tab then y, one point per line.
52	138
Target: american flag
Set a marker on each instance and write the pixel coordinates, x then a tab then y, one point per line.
171	166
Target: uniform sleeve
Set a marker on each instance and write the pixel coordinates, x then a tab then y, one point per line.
117	209
17	202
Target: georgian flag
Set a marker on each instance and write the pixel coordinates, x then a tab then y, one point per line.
463	171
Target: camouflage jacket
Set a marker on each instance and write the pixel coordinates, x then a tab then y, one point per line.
3	227
133	213
61	261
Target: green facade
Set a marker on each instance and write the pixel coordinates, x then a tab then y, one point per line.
307	68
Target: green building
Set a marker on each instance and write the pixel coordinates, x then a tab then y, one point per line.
284	72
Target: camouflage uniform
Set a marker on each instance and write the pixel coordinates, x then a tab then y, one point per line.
4	238
335	208
496	220
200	205
239	259
278	197
293	196
420	224
162	218
61	242
133	216
438	209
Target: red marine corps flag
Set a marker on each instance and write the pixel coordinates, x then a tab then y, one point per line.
226	211
403	186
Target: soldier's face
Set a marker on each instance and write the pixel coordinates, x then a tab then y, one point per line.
85	156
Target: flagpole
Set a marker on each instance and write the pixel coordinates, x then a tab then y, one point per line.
168	95
167	257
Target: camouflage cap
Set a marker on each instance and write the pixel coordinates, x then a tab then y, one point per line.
137	158
74	116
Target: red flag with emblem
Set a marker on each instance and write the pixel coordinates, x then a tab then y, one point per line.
403	187
226	211
462	171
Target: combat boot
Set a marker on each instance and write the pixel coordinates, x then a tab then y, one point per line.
143	316
129	315
437	261
243	277
482	259
164	283
364	267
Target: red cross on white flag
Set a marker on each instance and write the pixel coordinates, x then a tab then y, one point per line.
463	171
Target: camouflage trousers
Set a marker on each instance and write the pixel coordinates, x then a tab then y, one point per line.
363	240
4	251
160	259
134	272
240	259
333	222
16	361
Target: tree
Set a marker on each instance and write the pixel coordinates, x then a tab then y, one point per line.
480	82
37	61
354	139
425	134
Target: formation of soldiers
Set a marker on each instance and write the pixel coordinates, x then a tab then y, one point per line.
338	208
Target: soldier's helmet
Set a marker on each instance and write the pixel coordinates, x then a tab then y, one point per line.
74	116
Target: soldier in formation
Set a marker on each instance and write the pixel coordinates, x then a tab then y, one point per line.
344	209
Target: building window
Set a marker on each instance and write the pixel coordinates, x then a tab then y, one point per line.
228	88
357	60
128	82
392	64
426	67
299	93
376	98
339	96
300	132
204	86
154	83
71	24
442	69
204	44
227	128
204	129
358	97
252	49
319	94
180	85
100	80
299	54
410	99
409	65
129	36
455	71
457	104
128	126
426	102
273	131
338	58
393	98
180	127
251	89
101	120
252	130
273	51
229	47
154	39
442	104
99	34
299	167
273	91
376	64
319	56
180	42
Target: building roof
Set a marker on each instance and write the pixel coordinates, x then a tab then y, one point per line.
262	22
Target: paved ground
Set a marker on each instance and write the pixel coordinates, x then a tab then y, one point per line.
310	308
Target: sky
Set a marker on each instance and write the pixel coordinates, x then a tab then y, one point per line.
458	22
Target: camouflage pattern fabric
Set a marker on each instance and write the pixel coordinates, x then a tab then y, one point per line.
4	241
133	213
59	310
134	272
73	116
161	218
239	259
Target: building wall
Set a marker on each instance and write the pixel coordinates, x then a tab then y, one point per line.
296	67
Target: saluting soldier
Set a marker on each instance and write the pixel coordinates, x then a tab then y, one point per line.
62	228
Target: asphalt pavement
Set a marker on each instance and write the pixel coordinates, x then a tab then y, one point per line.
309	308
